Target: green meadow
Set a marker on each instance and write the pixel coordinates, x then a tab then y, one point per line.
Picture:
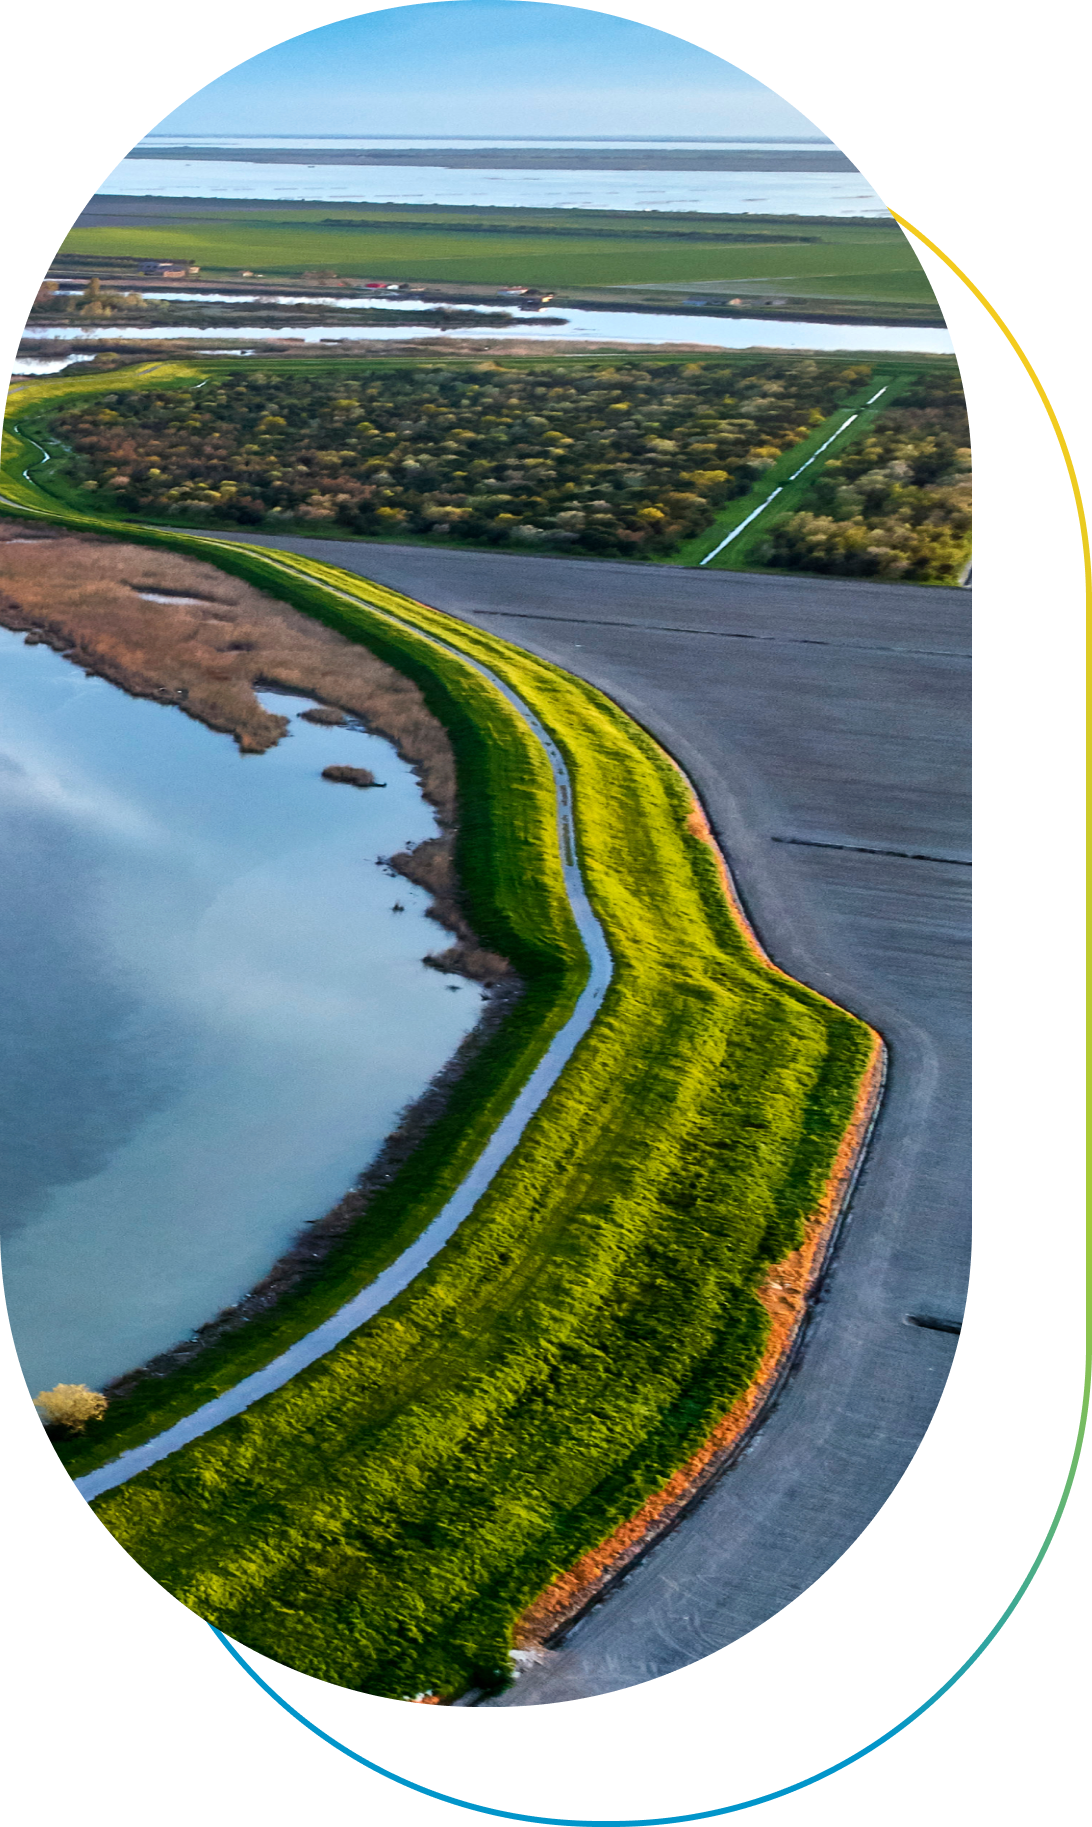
861	261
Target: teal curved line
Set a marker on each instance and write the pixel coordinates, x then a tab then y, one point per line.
706	1814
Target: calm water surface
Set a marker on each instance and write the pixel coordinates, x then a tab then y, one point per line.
303	142
641	327
214	1015
791	193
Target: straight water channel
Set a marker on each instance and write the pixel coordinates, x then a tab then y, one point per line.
651	327
214	1015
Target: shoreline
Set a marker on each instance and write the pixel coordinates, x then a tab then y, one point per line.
798	161
317	1239
430	865
752	307
119	642
304	316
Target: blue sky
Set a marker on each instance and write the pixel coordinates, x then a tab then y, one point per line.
484	67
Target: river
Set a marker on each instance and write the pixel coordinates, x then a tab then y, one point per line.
639	327
214	1014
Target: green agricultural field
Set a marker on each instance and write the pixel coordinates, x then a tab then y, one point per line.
382	1520
867	262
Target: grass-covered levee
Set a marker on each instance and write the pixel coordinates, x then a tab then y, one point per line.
382	1520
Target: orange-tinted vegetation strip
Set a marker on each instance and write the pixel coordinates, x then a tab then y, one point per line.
786	1295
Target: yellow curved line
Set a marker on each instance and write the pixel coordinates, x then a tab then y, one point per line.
1050	412
1035	381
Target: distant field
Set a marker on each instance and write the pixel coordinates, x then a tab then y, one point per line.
862	261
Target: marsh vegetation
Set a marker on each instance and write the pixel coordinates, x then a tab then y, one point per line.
167	627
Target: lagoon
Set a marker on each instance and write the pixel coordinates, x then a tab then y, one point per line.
214	1015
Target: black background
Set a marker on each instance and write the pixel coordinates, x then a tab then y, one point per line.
968	137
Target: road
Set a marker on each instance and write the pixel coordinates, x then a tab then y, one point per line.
825	725
406	1267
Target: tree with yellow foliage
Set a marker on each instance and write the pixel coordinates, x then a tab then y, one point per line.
70	1405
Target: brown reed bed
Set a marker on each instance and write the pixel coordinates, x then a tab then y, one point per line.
172	629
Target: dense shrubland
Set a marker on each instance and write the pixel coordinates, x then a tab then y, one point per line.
617	461
96	300
896	504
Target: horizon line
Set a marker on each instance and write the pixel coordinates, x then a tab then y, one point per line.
550	139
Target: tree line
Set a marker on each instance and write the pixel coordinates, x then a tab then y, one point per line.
896	505
614	460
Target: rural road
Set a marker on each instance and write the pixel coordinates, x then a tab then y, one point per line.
405	1269
825	725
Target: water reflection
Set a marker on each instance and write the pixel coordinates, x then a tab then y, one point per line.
216	1015
598	326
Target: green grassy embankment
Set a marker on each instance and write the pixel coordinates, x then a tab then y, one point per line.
865	262
382	1520
507	864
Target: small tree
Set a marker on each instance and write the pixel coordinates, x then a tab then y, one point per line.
70	1405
